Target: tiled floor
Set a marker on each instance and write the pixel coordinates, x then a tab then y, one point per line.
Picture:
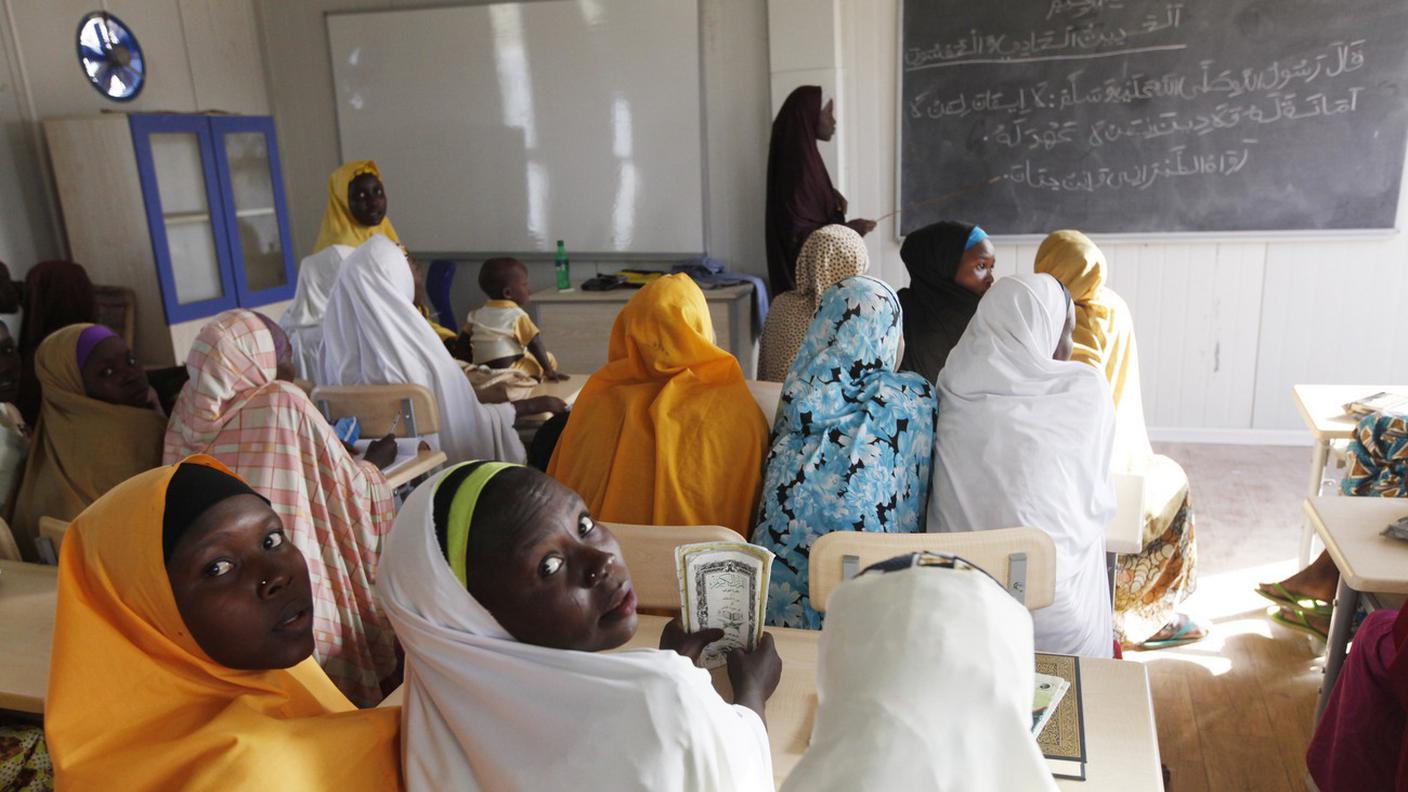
1234	711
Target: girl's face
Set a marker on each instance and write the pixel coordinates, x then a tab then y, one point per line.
975	268
366	199
559	579
242	588
111	374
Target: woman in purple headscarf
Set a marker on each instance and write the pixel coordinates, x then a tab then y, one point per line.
801	198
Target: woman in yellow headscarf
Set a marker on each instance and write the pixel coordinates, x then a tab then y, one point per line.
666	433
182	650
356	207
1149	586
98	425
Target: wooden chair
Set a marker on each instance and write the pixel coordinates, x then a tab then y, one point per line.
1023	560
649	552
768	395
9	548
117	309
51	536
407	409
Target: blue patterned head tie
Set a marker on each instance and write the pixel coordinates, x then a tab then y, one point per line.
977	235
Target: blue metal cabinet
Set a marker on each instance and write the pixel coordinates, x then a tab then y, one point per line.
213	192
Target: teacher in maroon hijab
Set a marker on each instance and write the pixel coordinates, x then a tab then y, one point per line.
800	196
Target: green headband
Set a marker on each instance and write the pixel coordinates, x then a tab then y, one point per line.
462	511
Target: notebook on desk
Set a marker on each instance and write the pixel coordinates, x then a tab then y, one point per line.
1062	739
407	449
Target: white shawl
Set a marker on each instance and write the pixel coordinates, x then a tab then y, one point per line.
924	681
1024	440
373	335
483	711
303	321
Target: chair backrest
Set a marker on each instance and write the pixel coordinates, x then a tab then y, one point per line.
1125	533
768	395
437	287
117	309
9	548
407	407
649	552
1023	560
53	529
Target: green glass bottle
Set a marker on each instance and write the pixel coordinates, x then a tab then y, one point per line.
562	268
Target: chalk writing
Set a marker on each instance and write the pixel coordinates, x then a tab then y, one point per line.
1087	39
1179	163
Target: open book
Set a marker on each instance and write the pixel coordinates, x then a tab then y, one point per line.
1383	401
1061	736
724	585
407	449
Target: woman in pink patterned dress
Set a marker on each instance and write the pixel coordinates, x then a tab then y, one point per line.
336	508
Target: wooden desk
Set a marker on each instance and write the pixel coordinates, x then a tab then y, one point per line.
28	596
1350	528
1322	409
1121	742
567	390
576	325
425	461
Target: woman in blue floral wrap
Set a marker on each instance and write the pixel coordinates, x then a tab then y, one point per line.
852	444
1377	462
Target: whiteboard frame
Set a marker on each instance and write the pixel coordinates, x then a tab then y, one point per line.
1266	235
540	255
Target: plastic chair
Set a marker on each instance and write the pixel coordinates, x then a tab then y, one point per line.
53	529
649	552
1023	560
437	287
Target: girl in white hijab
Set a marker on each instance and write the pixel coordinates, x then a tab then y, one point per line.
924	681
1024	439
303	321
373	335
505	612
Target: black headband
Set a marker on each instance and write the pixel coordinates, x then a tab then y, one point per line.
192	491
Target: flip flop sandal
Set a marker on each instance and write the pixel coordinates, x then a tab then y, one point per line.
1284	599
1301	625
1181	637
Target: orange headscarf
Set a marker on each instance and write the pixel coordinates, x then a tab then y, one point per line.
1104	333
666	433
135	704
339	226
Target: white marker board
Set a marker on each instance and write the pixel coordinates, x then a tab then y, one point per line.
505	127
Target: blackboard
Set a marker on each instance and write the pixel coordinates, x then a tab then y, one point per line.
1026	116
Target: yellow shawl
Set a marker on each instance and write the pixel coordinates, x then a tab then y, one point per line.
339	226
666	433
135	704
82	447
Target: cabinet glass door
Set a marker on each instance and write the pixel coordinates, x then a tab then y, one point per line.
258	229
185	214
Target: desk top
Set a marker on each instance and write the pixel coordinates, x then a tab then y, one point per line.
426	460
1322	407
1121	742
28	596
1350	527
578	295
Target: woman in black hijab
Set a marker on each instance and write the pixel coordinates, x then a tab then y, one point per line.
800	197
950	267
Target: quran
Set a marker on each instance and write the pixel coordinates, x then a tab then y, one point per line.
723	585
1062	738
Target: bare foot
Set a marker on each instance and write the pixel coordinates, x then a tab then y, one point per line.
1317	581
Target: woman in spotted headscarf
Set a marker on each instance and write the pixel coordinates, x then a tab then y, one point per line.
831	254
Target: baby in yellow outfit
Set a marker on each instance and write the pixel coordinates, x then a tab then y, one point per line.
501	334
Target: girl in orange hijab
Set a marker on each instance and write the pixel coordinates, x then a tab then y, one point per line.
182	655
666	433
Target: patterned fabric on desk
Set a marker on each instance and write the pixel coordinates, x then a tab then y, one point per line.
1378	457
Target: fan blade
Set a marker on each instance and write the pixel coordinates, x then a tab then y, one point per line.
91	54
